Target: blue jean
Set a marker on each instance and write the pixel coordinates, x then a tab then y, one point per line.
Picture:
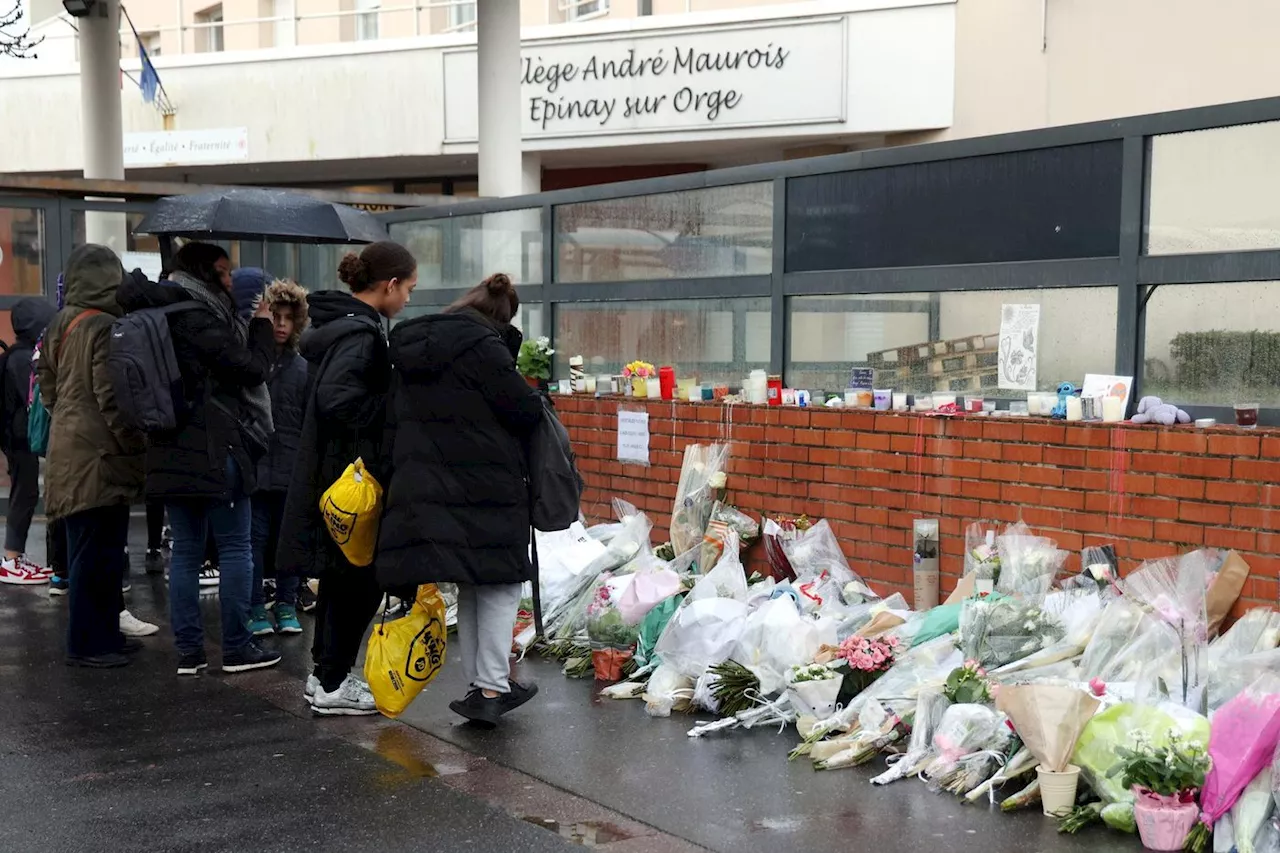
268	514
230	521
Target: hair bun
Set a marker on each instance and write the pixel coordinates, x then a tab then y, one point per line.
353	271
498	284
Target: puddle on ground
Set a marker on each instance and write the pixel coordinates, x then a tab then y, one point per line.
588	833
400	747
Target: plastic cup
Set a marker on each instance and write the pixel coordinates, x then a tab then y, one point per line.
1247	415
1058	789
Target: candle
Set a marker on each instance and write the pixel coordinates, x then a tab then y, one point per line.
591	384
1075	410
667	382
882	399
850	397
695	393
655	388
1112	410
1033	403
899	402
566	386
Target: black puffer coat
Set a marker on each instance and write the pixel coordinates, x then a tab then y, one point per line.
29	317
346	415
191	461
457	506
288	387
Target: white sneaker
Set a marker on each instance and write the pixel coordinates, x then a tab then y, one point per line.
132	626
351	699
209	576
313	686
14	572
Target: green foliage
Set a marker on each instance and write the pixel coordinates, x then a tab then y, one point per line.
1166	770
1226	359
534	359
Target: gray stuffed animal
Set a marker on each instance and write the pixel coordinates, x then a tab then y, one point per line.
1153	410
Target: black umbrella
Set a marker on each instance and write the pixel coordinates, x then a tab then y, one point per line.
260	214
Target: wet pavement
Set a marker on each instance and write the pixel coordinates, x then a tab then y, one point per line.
89	760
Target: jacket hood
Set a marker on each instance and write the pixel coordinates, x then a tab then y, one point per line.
290	298
137	294
29	318
247	284
334	315
429	345
93	277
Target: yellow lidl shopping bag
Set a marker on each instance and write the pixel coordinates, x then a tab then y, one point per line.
404	655
351	508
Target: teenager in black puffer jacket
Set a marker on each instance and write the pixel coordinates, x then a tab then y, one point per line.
458	502
288	387
345	419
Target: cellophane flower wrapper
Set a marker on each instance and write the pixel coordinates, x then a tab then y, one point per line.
931	705
1174	589
816	556
1251	811
725	517
1079	612
655	581
1126	644
605	626
564	606
963	731
1111	728
981	559
1242	741
727	580
1028	564
666	691
701	634
1000	631
775	638
1048	718
695	495
1231	675
652	627
1258	630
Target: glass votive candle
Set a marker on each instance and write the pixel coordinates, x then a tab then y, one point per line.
1247	415
590	383
899	402
655	388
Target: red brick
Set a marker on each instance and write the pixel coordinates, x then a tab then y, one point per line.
963	428
1235	445
1210	469
1249	469
1157	463
968	469
1236	493
1028	453
841	438
1182	441
979	490
960	507
826	420
1041	517
783	452
1040	475
1204	513
1137	528
1020	494
1044	433
872	441
1154	507
824	455
1138	484
1090	480
1001	471
1068	457
1002	431
1271	448
1218	537
906	444
794	418
1179	534
895	423
1134	439
810	437
1177	487
1088	436
944	447
1062	499
1255	517
982	450
779	435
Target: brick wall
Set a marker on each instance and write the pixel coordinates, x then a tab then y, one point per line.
1152	491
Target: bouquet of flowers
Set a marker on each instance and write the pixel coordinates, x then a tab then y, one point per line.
775	534
1028	564
968	685
981	557
997	631
867	659
638	370
612	639
534	360
931	705
701	477
970	742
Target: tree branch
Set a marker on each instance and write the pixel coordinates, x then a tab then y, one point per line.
15	36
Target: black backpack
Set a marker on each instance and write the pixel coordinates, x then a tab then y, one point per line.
144	369
555	485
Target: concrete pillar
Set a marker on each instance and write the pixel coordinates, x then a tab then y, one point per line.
531	178
100	120
498	62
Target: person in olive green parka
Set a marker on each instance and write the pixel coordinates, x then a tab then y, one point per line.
94	467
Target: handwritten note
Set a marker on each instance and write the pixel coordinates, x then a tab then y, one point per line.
1019	345
633	437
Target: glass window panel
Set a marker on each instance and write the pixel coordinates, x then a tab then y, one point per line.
21	251
1215	190
831	334
1022	206
115	229
464	250
703	338
713	232
1213	344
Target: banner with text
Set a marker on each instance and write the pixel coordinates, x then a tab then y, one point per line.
735	76
186	147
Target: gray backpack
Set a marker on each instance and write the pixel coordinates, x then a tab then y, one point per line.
144	369
554	482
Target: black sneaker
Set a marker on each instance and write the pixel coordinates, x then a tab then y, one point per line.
113	660
191	663
250	656
306	598
59	585
155	561
131	646
479	709
518	694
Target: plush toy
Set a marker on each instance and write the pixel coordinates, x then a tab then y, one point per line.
1153	410
1065	390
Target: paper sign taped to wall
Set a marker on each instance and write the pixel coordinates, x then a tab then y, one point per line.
1102	385
633	437
1019	345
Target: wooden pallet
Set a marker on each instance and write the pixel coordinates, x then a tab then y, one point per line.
916	353
937	367
986	379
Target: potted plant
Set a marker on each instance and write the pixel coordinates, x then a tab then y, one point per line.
1165	781
534	361
639	372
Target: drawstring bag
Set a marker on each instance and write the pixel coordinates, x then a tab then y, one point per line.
404	655
351	508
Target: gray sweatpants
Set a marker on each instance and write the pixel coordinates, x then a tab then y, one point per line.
486	618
